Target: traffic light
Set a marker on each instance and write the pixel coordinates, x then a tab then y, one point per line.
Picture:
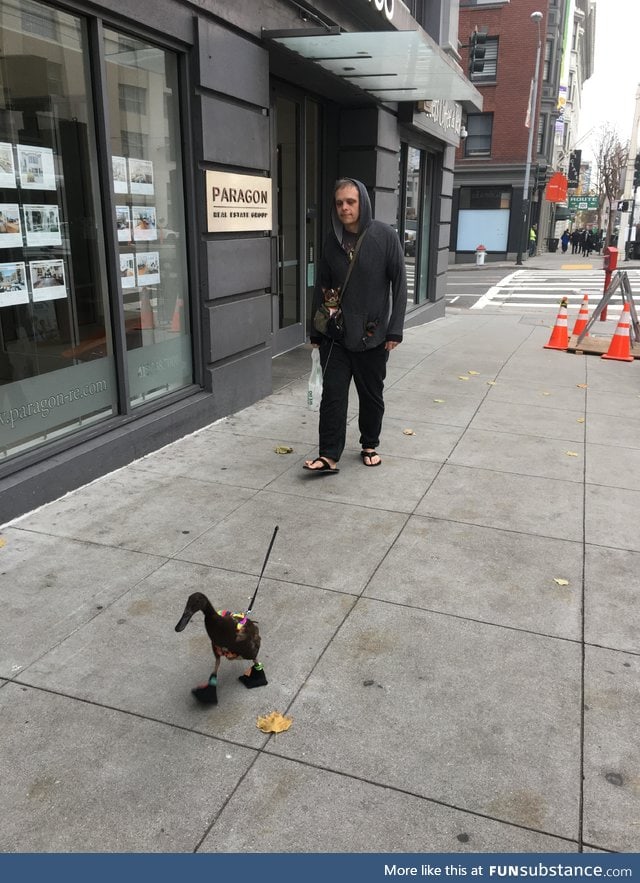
540	176
477	50
636	173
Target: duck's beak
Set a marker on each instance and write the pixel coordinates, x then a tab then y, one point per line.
184	619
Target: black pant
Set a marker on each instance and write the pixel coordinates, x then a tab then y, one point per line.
368	370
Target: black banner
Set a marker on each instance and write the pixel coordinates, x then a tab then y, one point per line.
575	158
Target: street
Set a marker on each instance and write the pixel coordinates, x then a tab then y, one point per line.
530	290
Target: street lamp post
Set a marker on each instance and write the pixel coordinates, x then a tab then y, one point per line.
537	17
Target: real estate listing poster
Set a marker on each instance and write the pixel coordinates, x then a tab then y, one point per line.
10	226
145	227
148	268
13	285
119	167
128	270
123	223
7	168
141	176
47	280
42	225
35	165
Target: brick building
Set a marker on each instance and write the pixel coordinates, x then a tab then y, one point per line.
491	161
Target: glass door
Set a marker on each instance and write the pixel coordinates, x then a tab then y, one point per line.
414	218
296	166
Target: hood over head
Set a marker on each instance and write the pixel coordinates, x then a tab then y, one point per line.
365	207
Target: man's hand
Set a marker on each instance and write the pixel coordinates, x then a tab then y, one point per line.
390	345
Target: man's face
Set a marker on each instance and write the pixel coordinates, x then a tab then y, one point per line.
348	205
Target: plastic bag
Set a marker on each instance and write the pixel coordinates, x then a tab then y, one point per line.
314	392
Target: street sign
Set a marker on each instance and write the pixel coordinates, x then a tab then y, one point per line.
623	205
583	203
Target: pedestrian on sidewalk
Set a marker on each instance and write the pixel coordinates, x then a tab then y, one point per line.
532	241
575	241
564	239
370	325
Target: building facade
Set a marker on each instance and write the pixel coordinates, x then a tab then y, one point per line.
166	173
491	163
569	50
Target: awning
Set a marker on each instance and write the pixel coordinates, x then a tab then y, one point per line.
389	65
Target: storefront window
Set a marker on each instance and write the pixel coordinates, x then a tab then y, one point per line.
56	350
143	125
483	217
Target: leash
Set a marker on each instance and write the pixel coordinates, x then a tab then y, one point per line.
275	531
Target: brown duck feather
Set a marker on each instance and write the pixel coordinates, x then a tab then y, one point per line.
227	638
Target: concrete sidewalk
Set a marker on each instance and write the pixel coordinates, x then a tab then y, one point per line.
455	634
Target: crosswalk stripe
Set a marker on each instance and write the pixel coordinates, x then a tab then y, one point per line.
536	290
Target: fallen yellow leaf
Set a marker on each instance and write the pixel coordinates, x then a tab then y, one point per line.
582	386
491	382
474	373
580	419
560	581
274	722
283	449
545	393
408	432
439	401
571	453
3	542
463	377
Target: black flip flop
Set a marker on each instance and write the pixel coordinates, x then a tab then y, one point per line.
369	455
325	469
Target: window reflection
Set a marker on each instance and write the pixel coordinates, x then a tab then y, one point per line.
415	219
142	83
56	349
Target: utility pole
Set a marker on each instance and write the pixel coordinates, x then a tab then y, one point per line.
537	17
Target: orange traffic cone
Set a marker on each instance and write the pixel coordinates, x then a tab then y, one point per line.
146	313
583	317
620	346
176	322
559	339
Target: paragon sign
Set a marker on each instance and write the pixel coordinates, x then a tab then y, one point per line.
238	203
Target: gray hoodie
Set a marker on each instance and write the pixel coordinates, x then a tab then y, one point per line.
375	300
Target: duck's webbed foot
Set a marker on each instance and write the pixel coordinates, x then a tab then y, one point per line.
254	676
207	693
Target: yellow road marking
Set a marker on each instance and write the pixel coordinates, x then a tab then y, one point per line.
576	266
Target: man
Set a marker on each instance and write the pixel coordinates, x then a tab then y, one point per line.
373	309
532	241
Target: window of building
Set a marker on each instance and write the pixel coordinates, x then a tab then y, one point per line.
132	99
91	325
39	20
489	71
480	130
149	206
57	371
548	55
483	218
542	131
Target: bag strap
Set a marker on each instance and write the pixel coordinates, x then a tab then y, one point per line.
352	262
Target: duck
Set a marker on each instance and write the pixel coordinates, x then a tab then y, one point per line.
232	635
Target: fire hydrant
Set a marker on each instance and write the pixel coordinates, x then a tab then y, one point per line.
480	255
